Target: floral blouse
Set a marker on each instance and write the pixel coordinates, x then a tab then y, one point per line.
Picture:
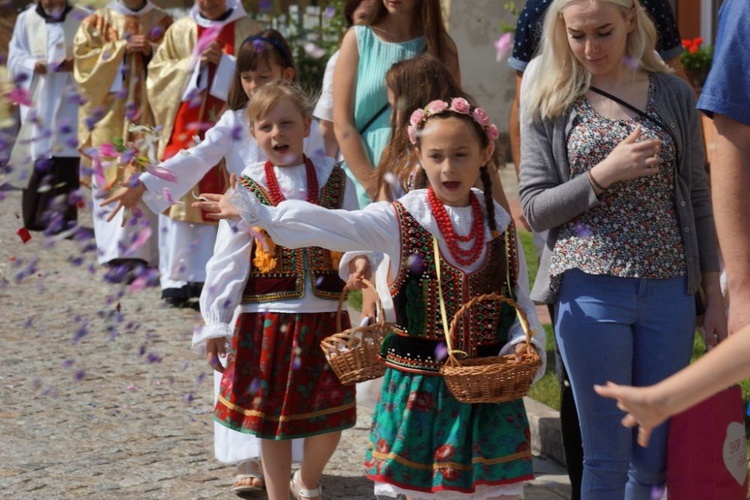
634	231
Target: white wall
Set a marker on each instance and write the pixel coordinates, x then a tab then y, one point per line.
475	26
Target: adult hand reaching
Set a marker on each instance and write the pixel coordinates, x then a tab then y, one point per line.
642	408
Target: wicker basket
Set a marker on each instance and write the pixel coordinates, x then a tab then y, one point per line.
354	354
491	379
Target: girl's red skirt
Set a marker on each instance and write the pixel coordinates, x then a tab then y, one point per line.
278	384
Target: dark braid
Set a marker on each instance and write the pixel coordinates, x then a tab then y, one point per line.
489	203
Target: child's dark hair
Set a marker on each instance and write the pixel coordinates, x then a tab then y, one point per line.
484	173
349	7
414	82
265	49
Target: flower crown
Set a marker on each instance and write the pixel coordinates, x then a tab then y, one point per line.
457	105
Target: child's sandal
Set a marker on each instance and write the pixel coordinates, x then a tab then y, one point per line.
249	477
299	492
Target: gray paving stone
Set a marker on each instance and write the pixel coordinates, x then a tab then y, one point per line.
88	416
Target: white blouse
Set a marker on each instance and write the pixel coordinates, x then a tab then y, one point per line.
296	223
228	139
228	268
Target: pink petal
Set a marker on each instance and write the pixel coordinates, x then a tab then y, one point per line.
143	236
208	37
19	95
138	285
162	173
108	150
502	46
168	196
99	171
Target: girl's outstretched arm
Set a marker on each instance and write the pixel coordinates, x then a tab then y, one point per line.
298	224
647	407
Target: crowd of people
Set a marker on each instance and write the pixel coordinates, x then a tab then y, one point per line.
205	159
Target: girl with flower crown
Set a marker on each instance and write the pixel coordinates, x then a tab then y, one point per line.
424	443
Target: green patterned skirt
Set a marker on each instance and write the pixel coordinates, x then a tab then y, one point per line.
422	439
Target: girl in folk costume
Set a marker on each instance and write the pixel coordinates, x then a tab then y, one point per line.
424	443
411	83
111	50
40	57
278	385
261	58
188	84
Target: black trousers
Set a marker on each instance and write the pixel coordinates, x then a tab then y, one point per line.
46	203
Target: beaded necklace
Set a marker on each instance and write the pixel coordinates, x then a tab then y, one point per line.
274	191
463	257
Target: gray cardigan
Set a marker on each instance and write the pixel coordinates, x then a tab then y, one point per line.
550	197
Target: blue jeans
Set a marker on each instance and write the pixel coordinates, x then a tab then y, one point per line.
629	331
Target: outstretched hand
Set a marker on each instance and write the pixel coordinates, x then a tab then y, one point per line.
218	206
126	198
642	409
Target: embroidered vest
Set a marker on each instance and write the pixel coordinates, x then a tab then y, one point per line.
483	331
287	279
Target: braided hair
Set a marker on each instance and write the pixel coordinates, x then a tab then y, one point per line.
489	202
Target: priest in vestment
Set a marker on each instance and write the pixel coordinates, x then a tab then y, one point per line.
45	155
188	93
112	49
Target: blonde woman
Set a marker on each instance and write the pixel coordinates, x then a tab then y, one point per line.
612	165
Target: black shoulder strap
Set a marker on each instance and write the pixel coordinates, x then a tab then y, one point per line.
640	113
374	117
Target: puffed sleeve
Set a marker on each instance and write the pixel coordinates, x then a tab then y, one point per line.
517	333
226	274
190	165
298	224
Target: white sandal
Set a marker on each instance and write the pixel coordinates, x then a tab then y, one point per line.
299	493
250	470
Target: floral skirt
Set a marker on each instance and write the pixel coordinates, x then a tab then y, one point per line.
423	440
278	384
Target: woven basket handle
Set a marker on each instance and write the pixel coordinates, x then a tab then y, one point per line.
378	304
524	320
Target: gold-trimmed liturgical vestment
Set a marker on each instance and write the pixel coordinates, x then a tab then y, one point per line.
112	83
169	76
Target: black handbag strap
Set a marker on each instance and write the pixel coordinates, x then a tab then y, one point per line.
642	114
373	118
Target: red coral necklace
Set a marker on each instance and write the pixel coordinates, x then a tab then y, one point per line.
274	191
463	257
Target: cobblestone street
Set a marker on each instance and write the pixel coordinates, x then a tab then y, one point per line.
102	396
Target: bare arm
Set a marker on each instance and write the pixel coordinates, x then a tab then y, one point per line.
347	135
730	184
329	138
